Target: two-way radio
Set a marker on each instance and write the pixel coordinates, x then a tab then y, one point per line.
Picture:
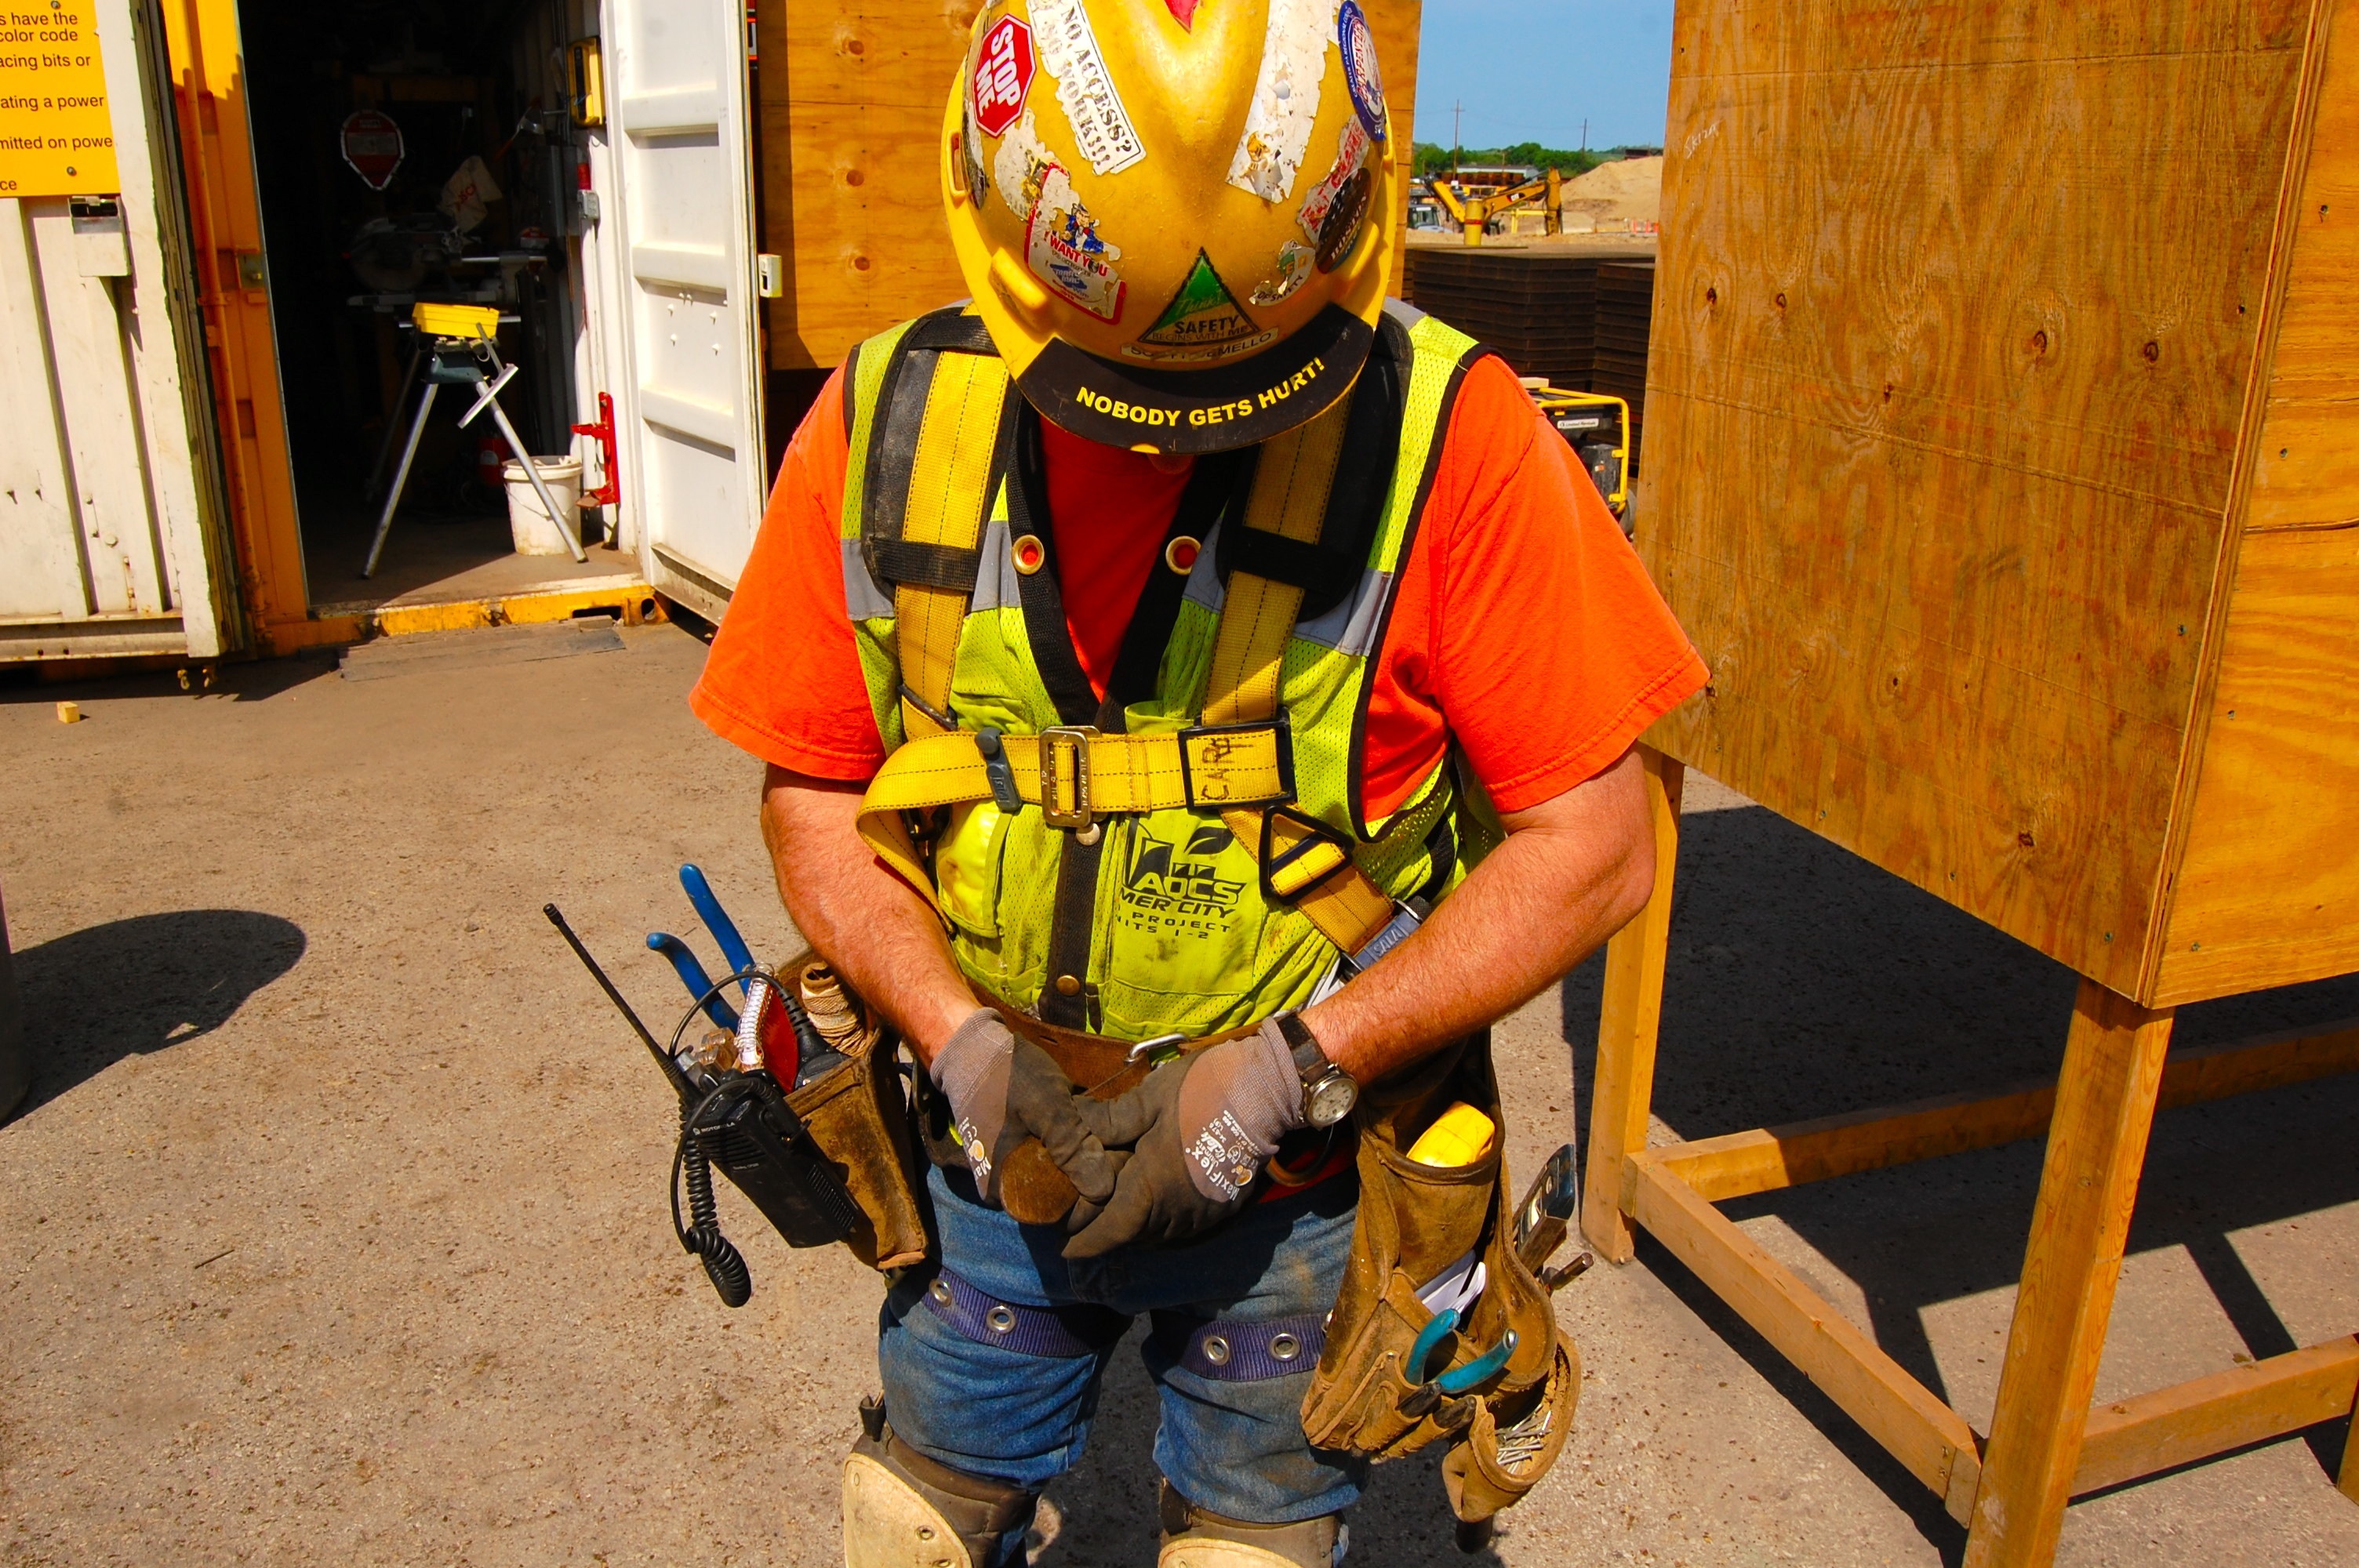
738	1121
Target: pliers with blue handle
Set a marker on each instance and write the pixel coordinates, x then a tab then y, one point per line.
1430	1391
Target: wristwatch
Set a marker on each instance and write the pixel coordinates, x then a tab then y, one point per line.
1327	1091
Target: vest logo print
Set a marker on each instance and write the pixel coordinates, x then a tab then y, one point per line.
1170	887
1003	75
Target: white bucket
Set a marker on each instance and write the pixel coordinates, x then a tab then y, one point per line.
528	524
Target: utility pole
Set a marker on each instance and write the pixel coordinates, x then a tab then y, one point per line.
1456	108
1584	134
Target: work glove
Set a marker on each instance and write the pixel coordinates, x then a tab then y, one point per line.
1199	1130
1003	1091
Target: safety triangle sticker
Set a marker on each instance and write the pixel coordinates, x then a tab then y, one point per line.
1203	312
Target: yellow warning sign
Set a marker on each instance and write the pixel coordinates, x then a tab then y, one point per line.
57	137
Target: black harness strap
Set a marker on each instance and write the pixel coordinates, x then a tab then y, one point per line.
1328	571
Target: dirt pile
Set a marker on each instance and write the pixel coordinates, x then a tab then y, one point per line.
1615	195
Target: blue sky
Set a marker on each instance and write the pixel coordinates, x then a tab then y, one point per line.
1529	71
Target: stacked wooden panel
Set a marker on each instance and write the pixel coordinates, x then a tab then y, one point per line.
2003	471
1537	306
1625	306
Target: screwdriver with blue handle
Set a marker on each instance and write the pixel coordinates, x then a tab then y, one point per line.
733	950
691	975
815	1057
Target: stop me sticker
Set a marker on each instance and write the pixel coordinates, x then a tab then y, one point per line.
1003	75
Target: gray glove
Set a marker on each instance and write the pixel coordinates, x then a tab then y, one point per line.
1199	1130
1003	1091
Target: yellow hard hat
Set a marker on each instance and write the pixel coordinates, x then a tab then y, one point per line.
1174	215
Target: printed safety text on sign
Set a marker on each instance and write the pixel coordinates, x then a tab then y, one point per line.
57	136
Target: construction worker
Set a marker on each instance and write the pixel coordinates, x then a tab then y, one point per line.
1126	647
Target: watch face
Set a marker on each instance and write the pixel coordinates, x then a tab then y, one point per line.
1330	1100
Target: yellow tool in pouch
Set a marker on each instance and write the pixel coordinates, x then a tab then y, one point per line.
1498	1384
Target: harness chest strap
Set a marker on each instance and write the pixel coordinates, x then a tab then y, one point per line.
1236	762
1301	863
965	406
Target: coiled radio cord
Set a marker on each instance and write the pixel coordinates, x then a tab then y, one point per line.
722	1263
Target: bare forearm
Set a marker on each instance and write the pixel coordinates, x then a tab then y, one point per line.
877	931
1572	873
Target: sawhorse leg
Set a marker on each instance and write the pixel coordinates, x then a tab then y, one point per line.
2087	1186
1628	1022
2348	1482
400	479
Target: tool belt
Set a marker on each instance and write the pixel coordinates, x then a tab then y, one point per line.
1414	1222
1504	1430
859	1117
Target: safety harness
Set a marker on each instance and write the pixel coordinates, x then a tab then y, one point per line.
1276	578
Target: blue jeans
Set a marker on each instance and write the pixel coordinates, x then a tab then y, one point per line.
1235	1448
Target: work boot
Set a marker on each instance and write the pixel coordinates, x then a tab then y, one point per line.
902	1510
1198	1538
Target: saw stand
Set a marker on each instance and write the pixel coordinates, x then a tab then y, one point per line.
463	353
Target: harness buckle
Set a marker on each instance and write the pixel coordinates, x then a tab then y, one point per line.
1072	740
1317	835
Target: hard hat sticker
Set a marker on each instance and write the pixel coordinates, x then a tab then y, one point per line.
1024	161
1062	245
1203	314
1294	259
1352	145
1357	45
978	183
1285	98
1069	51
1341	232
1003	75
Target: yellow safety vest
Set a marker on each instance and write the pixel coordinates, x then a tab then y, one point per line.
1190	854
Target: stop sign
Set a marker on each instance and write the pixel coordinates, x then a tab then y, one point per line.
1003	75
372	145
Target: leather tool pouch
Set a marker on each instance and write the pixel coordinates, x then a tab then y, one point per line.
1415	1221
859	1117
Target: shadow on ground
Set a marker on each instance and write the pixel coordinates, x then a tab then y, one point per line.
131	987
233	680
1803	981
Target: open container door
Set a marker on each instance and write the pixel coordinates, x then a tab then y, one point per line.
690	403
113	537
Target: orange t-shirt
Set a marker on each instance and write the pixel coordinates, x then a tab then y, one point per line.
1523	625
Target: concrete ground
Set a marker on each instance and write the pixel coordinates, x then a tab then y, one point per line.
337	1208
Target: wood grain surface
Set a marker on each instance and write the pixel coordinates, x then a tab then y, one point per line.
1629	1021
849	97
2246	1404
2087	1186
1956	309
2267	890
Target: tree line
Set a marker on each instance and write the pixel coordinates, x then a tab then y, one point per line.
1434	159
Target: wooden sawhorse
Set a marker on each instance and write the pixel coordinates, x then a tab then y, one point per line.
2046	1443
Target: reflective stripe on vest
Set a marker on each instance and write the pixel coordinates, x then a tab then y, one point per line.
1196	865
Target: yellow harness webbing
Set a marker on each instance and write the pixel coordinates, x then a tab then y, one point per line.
1236	761
952	467
1289	498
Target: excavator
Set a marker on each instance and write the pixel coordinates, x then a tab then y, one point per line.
1472	210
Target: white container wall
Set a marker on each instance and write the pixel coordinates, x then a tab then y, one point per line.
106	442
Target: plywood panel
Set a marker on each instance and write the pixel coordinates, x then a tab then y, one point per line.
1956	307
849	99
2267	891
